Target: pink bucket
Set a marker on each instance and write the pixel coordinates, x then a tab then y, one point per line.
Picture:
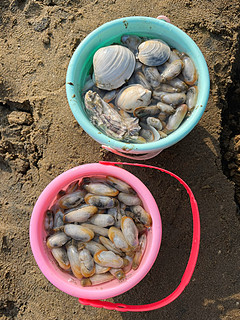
88	295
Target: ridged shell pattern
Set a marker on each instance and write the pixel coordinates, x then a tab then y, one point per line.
153	52
113	66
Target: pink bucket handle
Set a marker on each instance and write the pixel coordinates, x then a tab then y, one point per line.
191	262
146	156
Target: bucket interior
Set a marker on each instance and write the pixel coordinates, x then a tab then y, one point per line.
67	282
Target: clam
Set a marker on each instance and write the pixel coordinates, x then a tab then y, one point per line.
189	71
87	263
61	257
165	87
58	219
48	220
153	52
174	98
154	122
118	273
178	84
73	256
148	111
96	229
139	254
191	97
173	56
142	215
97	279
57	240
172	70
166	108
133	96
101	202
80	215
78	232
117	237
101	189
129	231
155	137
152	75
119	184
72	187
141	79
113	66
131	41
176	119
93	247
102	220
129	199
110	245
116	213
100	269
108	259
147	135
72	200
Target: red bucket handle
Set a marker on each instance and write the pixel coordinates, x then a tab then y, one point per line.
191	262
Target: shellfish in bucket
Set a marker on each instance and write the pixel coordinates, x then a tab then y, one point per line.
113	66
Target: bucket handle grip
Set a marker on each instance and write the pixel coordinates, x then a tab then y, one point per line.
190	265
145	156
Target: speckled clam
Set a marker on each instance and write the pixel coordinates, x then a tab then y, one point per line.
113	66
153	52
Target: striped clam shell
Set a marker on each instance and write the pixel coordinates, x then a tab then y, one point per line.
113	66
153	52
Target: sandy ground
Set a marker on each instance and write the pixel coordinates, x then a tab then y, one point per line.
40	139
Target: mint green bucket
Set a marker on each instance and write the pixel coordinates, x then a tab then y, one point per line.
81	64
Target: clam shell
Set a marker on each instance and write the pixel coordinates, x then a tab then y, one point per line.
153	52
132	97
73	256
176	119
131	41
113	66
108	259
129	231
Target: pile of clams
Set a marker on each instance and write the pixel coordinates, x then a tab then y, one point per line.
140	90
97	229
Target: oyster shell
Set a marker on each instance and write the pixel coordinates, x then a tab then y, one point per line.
108	120
113	66
133	96
153	52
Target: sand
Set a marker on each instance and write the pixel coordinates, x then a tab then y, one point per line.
41	139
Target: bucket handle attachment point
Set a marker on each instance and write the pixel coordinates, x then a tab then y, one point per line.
164	18
190	265
139	156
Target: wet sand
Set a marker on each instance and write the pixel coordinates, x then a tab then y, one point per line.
41	139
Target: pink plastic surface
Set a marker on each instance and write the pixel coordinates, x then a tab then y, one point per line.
139	156
62	280
191	262
164	18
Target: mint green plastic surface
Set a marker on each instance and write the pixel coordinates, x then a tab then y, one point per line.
80	67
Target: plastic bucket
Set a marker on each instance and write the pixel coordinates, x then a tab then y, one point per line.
111	32
88	295
63	280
